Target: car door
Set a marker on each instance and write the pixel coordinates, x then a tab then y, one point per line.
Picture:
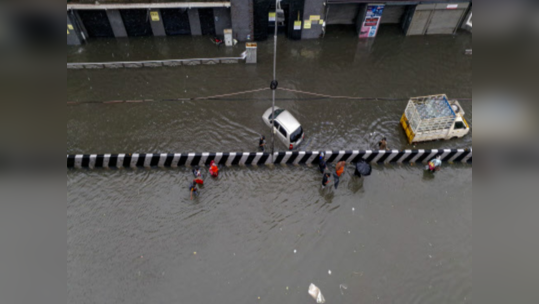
284	136
279	130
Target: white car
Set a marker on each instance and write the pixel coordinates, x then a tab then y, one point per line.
285	126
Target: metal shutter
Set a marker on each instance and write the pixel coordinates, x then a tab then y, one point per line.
445	21
343	14
393	14
419	23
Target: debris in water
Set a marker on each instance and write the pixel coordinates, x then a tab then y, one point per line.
295	251
316	294
195	253
343	287
329	272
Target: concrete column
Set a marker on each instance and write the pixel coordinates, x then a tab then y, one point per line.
222	20
313	8
362	12
75	18
117	23
72	35
465	24
156	21
194	22
242	19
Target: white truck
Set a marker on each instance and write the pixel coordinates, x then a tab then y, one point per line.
434	117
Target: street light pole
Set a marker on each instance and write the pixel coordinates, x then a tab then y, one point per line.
274	84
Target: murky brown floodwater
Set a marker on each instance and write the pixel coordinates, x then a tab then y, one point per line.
401	236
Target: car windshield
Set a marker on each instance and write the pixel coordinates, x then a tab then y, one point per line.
297	135
277	113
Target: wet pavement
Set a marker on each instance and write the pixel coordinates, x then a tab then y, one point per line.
398	236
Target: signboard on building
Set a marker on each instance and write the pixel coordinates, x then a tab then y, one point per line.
370	26
154	16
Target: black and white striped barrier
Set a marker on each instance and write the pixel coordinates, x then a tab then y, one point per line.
259	159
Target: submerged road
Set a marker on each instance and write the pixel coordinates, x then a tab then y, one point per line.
400	235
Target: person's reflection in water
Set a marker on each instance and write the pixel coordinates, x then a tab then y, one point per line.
327	195
427	175
356	185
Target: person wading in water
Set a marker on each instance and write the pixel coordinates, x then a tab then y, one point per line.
322	163
383	144
214	170
339	170
262	144
326	180
193	189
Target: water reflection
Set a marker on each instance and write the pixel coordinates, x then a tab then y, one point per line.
355	184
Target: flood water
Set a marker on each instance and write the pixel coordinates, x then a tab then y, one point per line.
399	236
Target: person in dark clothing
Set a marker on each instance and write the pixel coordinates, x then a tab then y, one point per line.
322	163
262	143
383	144
193	189
326	180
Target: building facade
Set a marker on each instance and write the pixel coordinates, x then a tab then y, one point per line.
254	20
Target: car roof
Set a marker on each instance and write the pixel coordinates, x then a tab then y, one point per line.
288	121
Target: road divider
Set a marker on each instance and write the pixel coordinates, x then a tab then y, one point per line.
156	160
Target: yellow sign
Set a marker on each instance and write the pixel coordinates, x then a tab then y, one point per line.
297	25
155	16
307	24
68	32
69	26
315	18
272	16
321	21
